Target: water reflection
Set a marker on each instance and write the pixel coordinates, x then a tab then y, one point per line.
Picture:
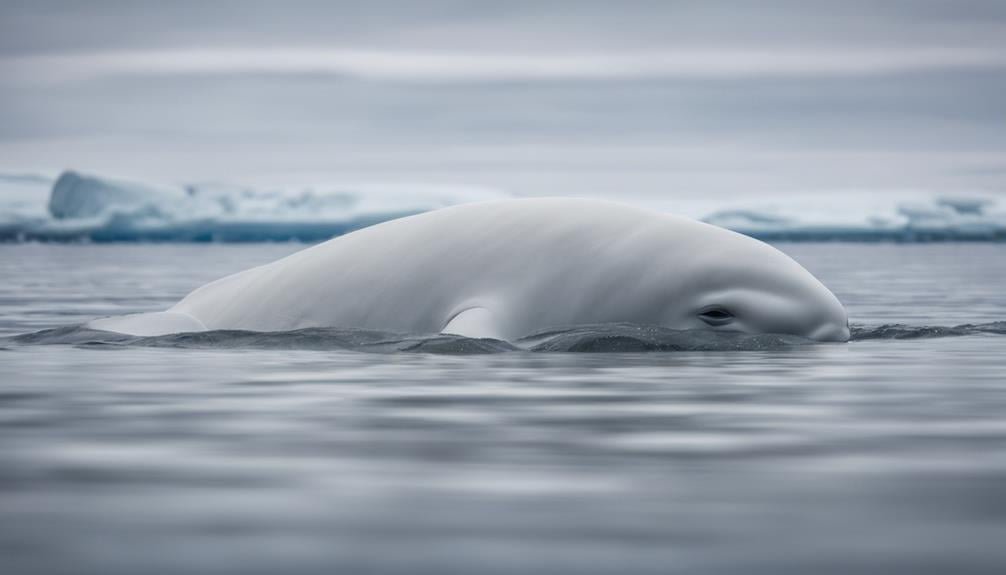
563	463
883	455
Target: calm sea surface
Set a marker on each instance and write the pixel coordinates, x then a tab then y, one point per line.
877	456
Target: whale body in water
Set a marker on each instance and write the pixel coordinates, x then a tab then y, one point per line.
510	268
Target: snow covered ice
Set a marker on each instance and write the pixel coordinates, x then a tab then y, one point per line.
95	208
77	206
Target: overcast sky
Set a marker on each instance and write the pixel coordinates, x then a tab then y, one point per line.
613	98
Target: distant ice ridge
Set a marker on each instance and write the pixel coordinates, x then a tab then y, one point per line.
86	207
870	218
81	207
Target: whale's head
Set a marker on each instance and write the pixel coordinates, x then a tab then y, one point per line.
741	284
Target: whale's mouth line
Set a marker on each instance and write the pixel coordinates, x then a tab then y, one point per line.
612	338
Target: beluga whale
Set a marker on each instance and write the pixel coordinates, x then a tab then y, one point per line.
506	269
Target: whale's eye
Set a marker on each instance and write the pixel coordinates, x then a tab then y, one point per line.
716	316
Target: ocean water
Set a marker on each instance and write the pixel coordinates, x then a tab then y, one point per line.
337	452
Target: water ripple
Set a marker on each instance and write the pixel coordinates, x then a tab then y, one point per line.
600	338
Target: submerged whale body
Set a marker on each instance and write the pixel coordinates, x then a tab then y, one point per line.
506	269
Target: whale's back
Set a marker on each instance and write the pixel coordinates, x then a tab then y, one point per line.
414	273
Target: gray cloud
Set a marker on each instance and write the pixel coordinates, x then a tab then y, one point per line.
467	66
57	26
537	96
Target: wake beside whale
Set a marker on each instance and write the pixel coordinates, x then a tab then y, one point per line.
506	269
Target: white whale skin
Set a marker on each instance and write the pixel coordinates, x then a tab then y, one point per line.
510	268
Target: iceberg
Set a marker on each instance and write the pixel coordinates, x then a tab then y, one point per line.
77	196
84	207
939	218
